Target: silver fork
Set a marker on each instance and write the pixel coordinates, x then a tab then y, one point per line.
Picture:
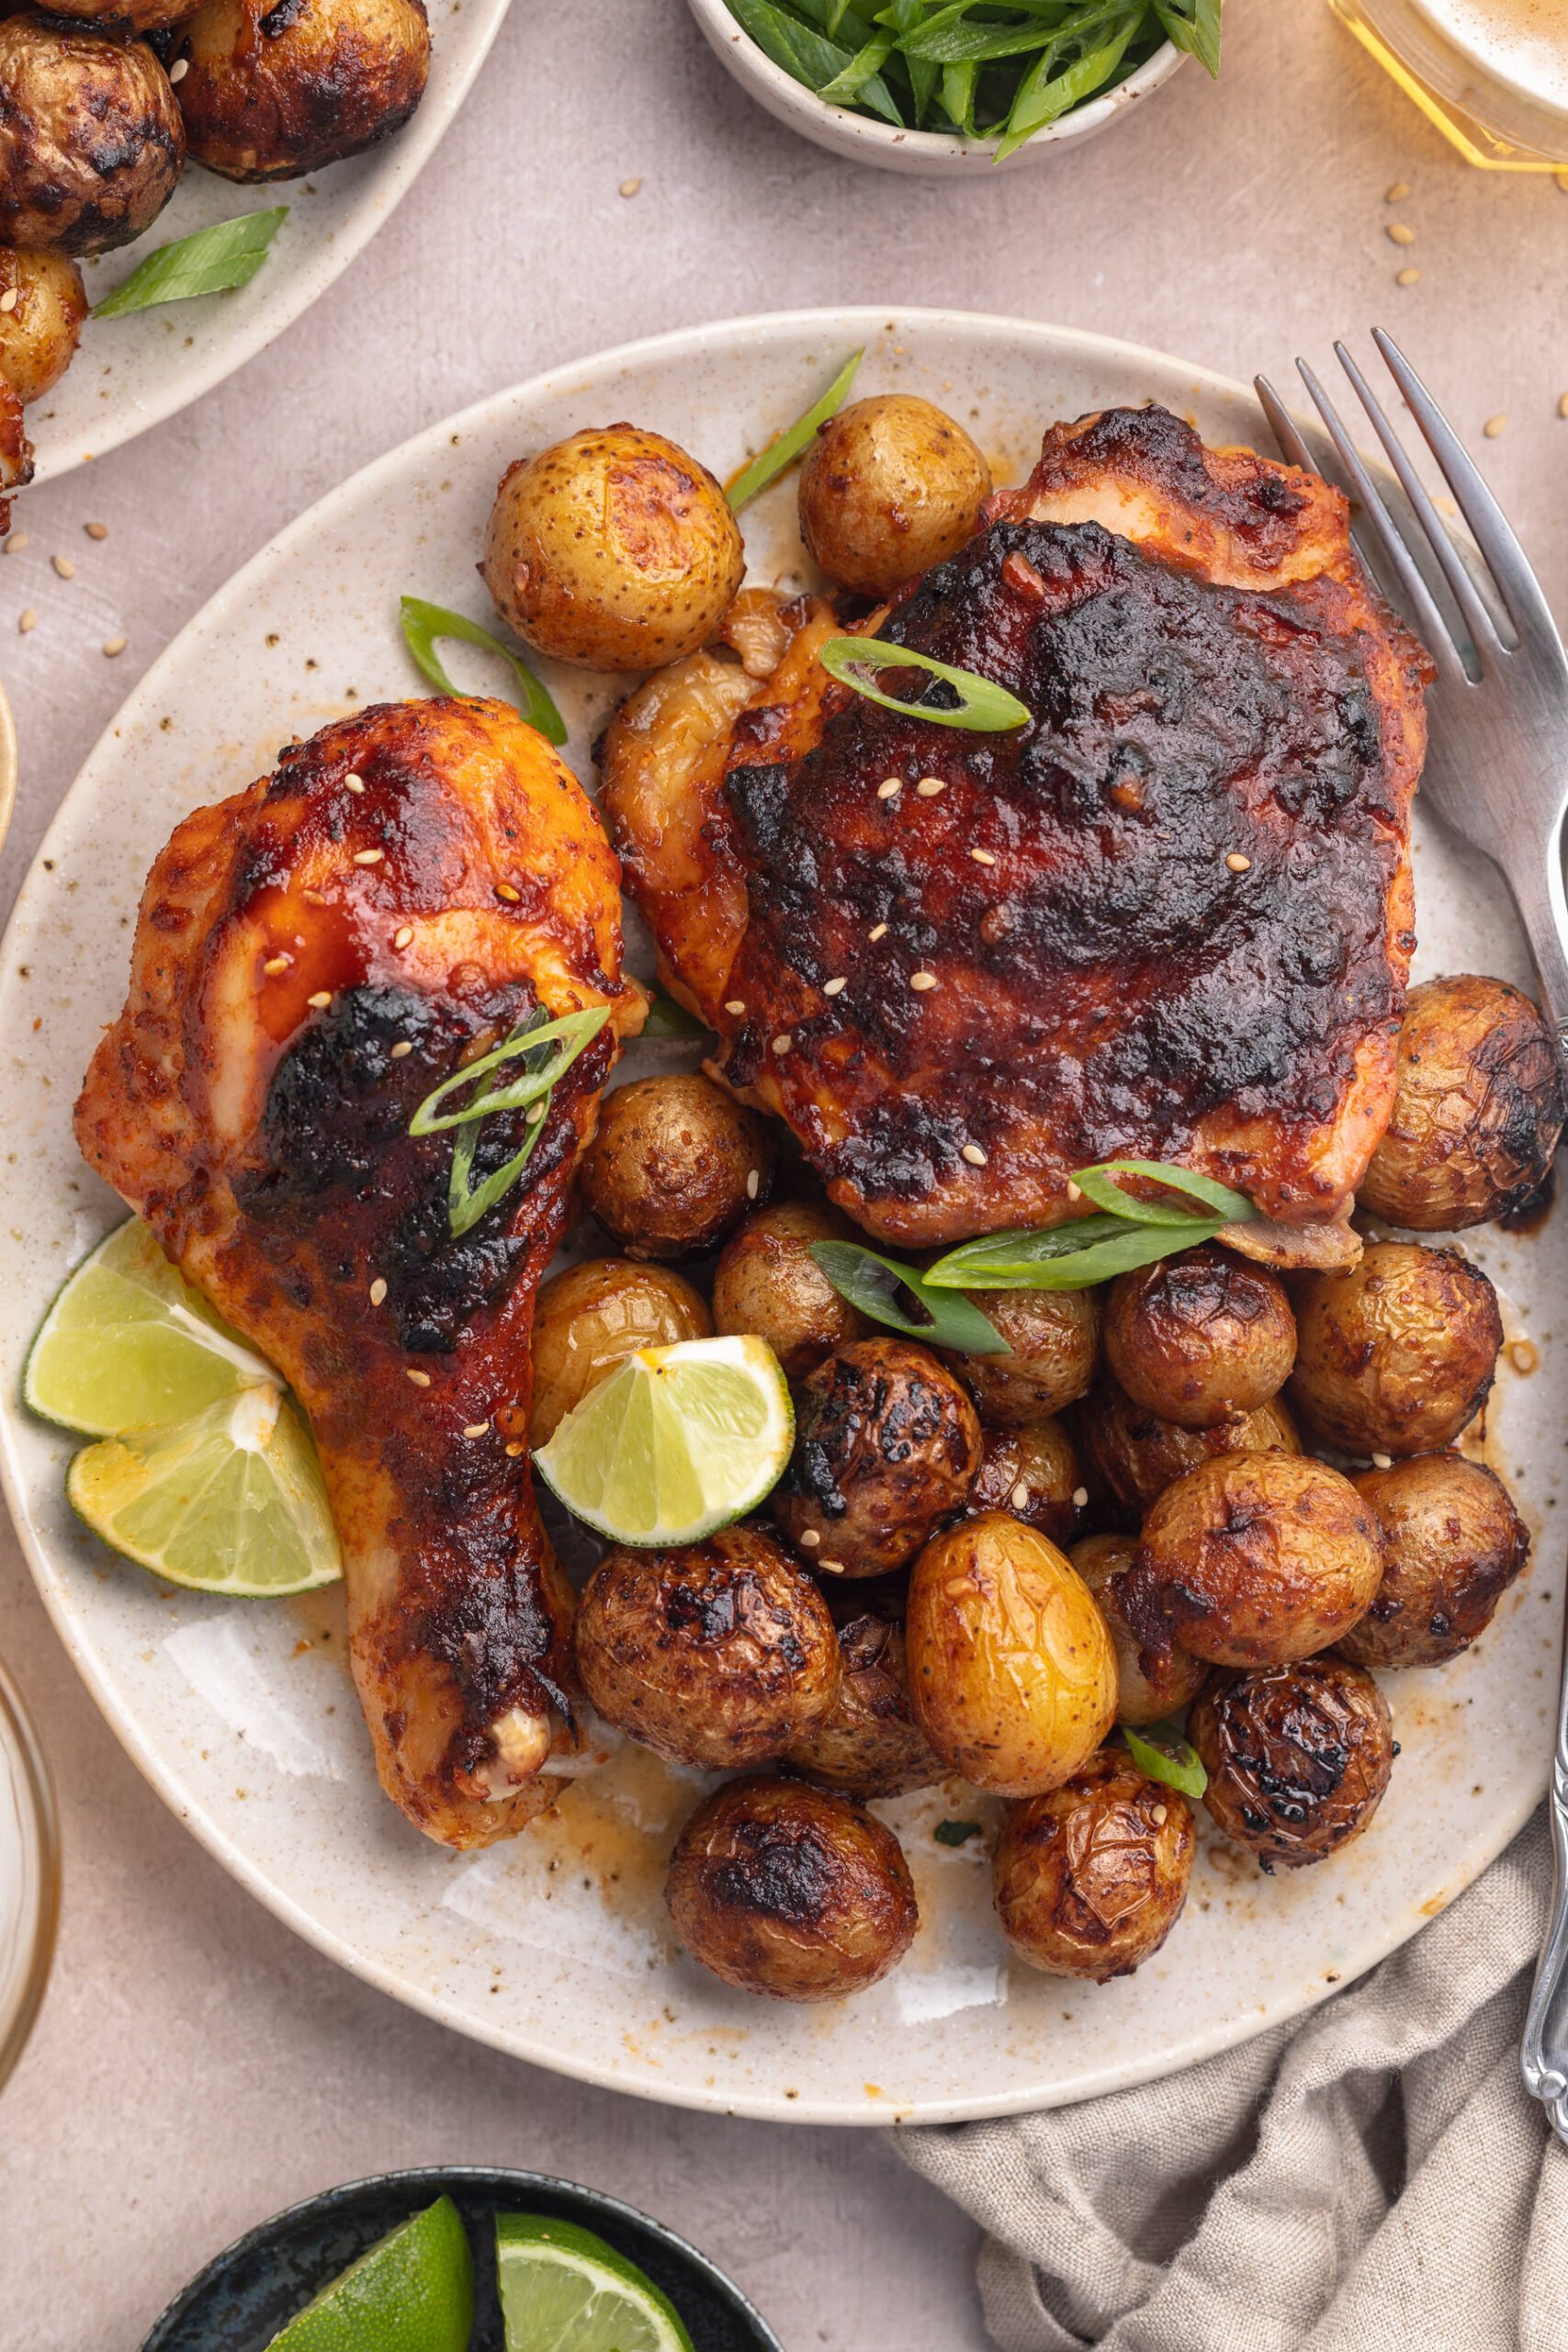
1497	776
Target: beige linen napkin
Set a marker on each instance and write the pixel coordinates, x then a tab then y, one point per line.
1372	2179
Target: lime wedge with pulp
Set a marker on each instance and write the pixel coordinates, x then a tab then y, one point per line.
675	1442
128	1344
413	2291
563	2289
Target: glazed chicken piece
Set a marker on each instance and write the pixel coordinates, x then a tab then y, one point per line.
313	957
1170	917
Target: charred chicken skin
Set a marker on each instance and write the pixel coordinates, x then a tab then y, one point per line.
312	958
1170	917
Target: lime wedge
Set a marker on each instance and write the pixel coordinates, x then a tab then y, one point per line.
229	1501
413	2291
128	1344
563	2289
675	1442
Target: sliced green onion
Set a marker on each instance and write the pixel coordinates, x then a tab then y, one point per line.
1048	1262
1100	1185
1164	1755
666	1018
955	1833
1042	98
424	624
804	53
568	1034
210	261
1193	25
795	439
984	708
879	1288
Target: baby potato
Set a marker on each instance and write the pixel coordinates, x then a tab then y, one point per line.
270	92
1297	1756
91	140
1200	1338
890	487
1012	1674
1452	1544
592	1317
1138	1455
119	17
675	1164
792	1891
1034	1474
886	1445
868	1742
1089	1879
1478	1112
768	1282
1103	1561
1052	1335
716	1654
612	549
1398	1355
39	333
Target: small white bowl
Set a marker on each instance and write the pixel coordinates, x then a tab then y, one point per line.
937	153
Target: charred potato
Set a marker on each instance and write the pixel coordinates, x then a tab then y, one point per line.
1298	1757
271	91
868	1742
1089	1878
614	550
1013	1675
1053	1336
39	332
675	1164
1453	1543
716	1654
1035	1474
890	487
1253	1559
122	16
1398	1356
886	1445
1103	1561
91	140
791	1890
1201	1338
767	1281
1138	1455
1478	1112
594	1315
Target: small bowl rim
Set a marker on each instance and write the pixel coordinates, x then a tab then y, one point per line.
35	1790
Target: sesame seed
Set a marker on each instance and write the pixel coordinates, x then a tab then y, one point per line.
29	620
403	934
401	1050
735	1008
1080	1497
630	187
831	1568
930	786
888	787
420	1379
982	857
277	963
322	998
810	1539
1407	277
513	1451
783	1042
113	645
475	1429
64	566
1020	1495
377	1291
1237	864
96	530
1397	192
1399	235
1382	1461
1494	425
8	299
1159	1815
354	784
878	930
753	1183
368	856
504	890
922	981
974	1154
835	986
1075	1191
179	69
16	542
1563	405
535	1110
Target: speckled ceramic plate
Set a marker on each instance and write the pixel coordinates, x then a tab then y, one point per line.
554	1946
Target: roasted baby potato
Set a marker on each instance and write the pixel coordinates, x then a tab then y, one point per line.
1298	1757
1397	1356
1200	1338
91	140
270	92
1089	1878
1052	1335
886	1445
890	487
767	1281
1012	1674
868	1742
1103	1561
612	549
122	16
39	333
1253	1559
1479	1109
1138	1455
675	1164
1035	1474
796	1891
1452	1544
594	1315
716	1654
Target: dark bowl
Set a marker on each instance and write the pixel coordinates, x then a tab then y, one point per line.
241	2300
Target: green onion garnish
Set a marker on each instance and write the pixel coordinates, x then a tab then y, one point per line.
983	706
897	1296
1164	1755
955	1833
1062	1258
1101	1186
795	439
424	624
531	1092
210	261
666	1018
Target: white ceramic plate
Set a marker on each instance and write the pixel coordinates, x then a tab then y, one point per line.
553	1947
132	372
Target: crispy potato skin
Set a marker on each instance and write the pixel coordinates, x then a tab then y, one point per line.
39	332
1138	1455
279	88
1053	1336
612	549
1012	1673
1253	1559
1453	1543
1089	1878
1103	1561
91	138
1034	1473
886	1445
592	1317
791	1890
675	1164
869	1743
767	1281
1201	1338
890	486
1397	1356
716	1654
1478	1112
1298	1757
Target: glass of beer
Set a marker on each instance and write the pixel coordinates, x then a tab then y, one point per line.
29	1875
1493	75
